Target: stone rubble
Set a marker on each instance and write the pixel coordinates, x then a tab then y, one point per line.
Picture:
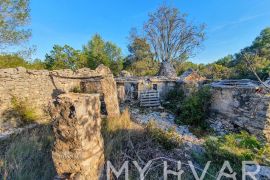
165	121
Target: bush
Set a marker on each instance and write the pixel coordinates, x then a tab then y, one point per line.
195	108
191	110
174	100
25	112
234	148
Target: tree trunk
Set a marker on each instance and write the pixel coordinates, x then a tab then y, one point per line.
167	69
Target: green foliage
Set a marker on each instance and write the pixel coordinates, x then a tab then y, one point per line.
216	71
28	156
174	100
140	61
14	16
98	52
25	112
168	139
195	108
64	58
146	67
192	109
181	67
76	89
234	148
12	61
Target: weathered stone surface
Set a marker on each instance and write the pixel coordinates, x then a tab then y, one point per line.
78	149
167	69
38	87
236	108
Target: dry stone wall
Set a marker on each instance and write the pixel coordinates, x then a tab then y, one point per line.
38	87
234	109
78	151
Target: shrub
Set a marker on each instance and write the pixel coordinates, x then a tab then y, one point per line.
234	148
191	110
195	108
174	100
76	89
25	112
168	139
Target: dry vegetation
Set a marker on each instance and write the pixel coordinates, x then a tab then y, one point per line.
27	156
128	141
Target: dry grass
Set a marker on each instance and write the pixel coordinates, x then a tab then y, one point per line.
27	156
128	141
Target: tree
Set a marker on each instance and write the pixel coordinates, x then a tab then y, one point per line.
95	52
140	60
254	61
14	16
64	58
99	52
171	36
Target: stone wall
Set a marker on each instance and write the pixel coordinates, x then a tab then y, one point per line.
244	108
38	87
78	151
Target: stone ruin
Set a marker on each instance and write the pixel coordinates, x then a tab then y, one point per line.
39	87
130	88
240	105
78	151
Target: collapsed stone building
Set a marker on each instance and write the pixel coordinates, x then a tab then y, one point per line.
153	89
240	105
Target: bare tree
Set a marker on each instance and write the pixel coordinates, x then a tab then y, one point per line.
171	36
250	59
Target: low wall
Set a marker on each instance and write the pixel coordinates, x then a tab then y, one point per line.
38	87
234	109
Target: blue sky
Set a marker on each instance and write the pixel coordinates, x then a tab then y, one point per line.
231	24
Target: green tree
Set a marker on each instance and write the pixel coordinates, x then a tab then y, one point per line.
99	52
140	60
95	52
14	16
64	58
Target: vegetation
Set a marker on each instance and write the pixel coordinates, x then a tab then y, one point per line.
171	37
14	16
234	148
25	112
28	156
192	109
64	58
98	51
168	139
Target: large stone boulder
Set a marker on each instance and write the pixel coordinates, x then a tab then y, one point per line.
167	69
78	149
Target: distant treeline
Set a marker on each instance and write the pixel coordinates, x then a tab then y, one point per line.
140	60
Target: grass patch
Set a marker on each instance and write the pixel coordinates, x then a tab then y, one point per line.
24	110
234	148
28	156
